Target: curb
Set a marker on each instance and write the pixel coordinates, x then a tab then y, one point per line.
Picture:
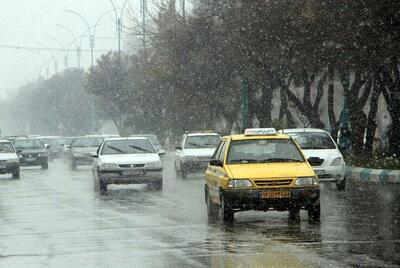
381	176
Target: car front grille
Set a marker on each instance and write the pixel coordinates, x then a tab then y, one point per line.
30	155
131	165
283	182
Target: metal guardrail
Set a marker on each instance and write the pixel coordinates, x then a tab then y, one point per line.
381	176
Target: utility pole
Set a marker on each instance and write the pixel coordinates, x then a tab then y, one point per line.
183	7
143	10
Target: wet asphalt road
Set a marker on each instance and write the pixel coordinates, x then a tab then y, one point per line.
54	219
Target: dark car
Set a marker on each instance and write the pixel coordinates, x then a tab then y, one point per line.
55	144
32	152
80	149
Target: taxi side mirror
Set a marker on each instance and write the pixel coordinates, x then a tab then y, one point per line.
315	161
161	152
94	154
216	163
19	151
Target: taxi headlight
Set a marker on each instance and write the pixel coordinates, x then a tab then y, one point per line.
239	183
13	161
109	166
337	162
306	181
153	165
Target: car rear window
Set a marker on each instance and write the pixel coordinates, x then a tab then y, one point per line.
313	140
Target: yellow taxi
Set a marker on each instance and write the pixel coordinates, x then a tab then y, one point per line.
260	170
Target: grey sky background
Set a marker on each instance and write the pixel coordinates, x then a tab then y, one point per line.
28	22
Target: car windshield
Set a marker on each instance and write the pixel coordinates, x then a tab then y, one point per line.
50	141
6	147
134	146
203	141
28	144
153	138
263	151
87	142
313	140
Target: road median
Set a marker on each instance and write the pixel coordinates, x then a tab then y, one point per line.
368	175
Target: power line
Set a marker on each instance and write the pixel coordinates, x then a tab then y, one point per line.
47	49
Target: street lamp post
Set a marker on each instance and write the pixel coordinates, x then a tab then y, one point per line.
118	21
91	39
91	44
78	49
61	50
55	61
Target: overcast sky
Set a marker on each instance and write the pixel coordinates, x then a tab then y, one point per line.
28	23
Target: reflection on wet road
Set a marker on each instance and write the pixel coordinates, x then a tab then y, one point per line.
54	219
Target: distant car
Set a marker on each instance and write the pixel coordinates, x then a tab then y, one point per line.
132	160
9	161
66	145
194	152
318	143
153	138
32	152
80	149
54	146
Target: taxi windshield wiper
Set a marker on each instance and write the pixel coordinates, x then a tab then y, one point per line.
243	161
274	160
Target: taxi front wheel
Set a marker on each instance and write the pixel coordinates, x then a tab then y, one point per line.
314	212
212	210
226	211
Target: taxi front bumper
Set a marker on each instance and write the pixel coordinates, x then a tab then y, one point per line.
262	199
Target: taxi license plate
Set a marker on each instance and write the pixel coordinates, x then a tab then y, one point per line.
30	159
133	172
276	194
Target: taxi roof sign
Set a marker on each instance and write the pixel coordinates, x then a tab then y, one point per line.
260	131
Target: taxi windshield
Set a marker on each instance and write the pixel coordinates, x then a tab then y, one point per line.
205	141
263	151
313	140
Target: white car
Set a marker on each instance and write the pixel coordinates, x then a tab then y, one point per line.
318	143
127	161
9	161
194	152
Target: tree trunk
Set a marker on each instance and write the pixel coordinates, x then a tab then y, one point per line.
371	121
331	104
264	110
